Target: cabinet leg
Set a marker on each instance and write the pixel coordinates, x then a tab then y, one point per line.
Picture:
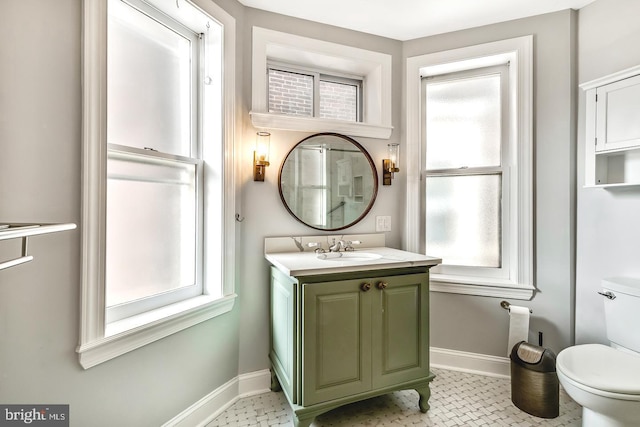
306	422
275	384
425	394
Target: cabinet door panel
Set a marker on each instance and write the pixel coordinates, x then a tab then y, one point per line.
618	115
336	342
401	330
283	333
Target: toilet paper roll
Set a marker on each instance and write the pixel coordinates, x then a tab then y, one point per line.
518	326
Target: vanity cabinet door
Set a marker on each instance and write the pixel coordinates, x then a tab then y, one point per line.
400	325
336	342
283	333
364	334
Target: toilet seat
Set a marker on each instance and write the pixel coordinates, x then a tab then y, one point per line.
601	368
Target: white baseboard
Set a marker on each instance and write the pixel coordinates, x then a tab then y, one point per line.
209	407
493	366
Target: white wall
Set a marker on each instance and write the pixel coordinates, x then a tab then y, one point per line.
40	128
608	235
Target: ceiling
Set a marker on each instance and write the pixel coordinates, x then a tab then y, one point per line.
411	19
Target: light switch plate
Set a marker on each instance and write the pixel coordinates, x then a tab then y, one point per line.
383	223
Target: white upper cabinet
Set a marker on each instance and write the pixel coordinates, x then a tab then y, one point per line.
612	134
618	114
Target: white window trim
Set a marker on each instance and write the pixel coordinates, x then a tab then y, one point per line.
519	53
375	67
97	343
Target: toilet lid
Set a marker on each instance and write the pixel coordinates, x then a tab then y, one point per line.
601	367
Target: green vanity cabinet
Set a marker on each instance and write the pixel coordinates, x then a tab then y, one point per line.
340	338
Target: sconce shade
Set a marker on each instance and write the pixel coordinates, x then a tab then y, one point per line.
394	156
392	164
263	139
261	155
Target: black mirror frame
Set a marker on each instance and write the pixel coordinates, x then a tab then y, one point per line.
371	164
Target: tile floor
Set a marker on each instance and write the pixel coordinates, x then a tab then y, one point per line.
457	399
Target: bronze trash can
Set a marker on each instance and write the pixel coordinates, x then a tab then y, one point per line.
534	382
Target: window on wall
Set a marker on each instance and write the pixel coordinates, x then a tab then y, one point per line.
469	167
467	151
154	166
310	85
157	258
305	93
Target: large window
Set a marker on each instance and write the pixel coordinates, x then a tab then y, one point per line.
469	167
154	170
157	258
466	118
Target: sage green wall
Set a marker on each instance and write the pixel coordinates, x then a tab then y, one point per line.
40	152
478	324
608	238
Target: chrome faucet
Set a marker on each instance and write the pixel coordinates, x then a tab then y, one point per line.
344	245
336	246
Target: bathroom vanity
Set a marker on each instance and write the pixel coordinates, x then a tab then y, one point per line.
348	325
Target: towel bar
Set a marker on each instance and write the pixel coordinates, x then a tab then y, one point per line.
24	231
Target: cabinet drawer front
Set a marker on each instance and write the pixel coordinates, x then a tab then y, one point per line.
336	342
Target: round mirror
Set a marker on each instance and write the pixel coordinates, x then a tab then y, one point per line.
328	181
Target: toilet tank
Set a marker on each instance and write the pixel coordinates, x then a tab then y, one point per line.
622	312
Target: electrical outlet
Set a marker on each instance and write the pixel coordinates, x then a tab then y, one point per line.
383	223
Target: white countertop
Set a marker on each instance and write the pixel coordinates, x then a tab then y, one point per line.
309	263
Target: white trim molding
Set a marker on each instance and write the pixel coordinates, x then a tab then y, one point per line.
474	363
210	406
610	78
374	67
518	53
127	336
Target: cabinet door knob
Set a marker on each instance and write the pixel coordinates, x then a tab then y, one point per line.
365	287
382	285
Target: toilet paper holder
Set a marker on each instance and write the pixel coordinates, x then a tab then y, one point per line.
507	306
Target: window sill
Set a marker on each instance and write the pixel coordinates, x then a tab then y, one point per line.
134	332
313	124
488	289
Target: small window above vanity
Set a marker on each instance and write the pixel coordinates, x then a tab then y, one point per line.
612	134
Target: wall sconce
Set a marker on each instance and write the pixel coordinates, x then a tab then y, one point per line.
261	155
390	165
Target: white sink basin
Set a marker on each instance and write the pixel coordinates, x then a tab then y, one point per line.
349	256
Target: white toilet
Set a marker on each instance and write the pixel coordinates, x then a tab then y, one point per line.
605	380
